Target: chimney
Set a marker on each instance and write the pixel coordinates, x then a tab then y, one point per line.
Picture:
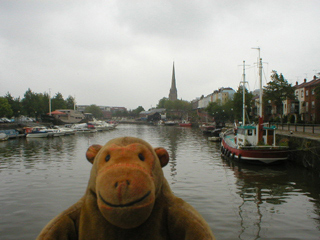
296	82
305	80
314	77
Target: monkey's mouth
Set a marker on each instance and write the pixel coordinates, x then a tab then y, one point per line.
127	204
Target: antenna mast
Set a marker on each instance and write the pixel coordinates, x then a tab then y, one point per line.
50	101
244	94
260	78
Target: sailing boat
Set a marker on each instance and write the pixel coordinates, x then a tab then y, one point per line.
253	143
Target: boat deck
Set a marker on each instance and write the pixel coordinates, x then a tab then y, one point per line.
229	139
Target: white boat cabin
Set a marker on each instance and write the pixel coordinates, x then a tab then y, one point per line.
248	136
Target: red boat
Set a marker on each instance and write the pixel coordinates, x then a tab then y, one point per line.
243	146
185	124
253	143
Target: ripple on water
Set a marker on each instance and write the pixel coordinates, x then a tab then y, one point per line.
39	179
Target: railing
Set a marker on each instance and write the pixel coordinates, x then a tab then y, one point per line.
308	128
266	147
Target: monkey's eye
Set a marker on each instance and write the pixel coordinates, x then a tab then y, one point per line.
141	157
107	158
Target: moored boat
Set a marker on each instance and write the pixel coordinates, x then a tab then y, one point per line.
36	132
3	137
185	124
215	135
55	132
243	145
253	143
208	127
84	128
65	130
214	139
170	123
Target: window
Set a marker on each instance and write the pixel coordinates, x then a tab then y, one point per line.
312	92
307	106
307	93
312	104
302	93
297	93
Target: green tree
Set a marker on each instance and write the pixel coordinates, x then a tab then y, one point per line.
5	108
238	102
94	110
278	90
70	102
221	113
30	103
174	105
137	111
15	105
227	108
215	110
58	102
43	104
162	102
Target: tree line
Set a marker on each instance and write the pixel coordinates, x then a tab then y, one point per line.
32	104
35	104
277	90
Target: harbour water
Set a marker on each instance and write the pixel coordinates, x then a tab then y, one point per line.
42	177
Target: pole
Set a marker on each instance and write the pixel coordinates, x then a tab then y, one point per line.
260	75
50	101
243	95
260	125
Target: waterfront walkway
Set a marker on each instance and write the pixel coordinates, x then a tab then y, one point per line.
309	135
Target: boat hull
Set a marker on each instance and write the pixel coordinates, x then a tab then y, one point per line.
37	135
262	155
3	137
185	124
214	139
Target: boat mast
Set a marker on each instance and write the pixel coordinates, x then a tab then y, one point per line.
260	81
49	101
244	95
260	128
260	76
74	102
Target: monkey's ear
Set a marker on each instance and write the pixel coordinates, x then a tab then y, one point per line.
92	152
163	156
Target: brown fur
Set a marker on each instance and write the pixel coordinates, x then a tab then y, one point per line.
128	198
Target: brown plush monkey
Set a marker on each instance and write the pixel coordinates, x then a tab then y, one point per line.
128	198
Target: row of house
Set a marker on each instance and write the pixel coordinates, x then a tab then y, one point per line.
222	95
306	105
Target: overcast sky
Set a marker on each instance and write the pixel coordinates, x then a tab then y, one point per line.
121	52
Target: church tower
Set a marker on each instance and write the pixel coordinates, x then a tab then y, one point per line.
173	95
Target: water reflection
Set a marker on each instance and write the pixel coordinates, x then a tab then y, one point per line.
40	178
262	189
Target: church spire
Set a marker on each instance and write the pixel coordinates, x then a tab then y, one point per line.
173	90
